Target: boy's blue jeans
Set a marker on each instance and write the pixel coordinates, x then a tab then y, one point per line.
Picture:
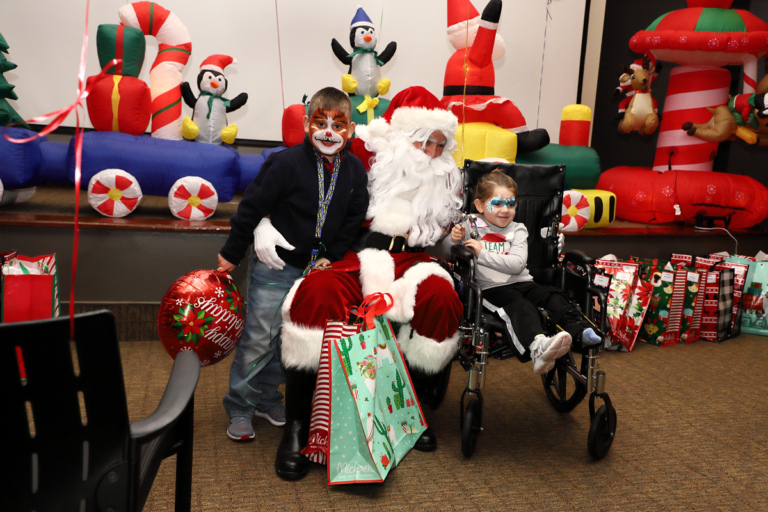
256	373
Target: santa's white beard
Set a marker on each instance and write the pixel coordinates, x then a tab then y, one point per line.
411	192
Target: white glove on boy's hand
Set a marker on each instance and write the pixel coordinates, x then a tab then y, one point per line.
560	243
265	241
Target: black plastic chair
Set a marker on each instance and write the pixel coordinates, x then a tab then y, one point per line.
67	443
539	203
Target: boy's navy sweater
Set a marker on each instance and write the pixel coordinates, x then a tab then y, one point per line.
286	189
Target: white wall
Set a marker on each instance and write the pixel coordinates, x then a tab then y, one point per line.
283	51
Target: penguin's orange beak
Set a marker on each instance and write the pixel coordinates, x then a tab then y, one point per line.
215	85
367	39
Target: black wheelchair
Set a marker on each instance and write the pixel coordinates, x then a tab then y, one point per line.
539	203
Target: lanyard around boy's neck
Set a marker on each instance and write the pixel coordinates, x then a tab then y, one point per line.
323	199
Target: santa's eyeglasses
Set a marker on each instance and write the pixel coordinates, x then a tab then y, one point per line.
432	144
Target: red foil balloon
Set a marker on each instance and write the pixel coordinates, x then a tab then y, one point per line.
202	312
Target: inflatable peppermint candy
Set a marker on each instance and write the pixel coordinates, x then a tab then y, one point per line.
201	312
575	211
193	198
114	193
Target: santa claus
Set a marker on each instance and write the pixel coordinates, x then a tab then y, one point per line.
414	188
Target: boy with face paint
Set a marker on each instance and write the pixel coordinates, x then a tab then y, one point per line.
303	210
501	248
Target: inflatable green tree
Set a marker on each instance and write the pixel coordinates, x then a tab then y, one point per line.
7	114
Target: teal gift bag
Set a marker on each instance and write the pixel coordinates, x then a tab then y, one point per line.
375	416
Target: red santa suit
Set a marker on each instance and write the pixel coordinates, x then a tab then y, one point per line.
411	194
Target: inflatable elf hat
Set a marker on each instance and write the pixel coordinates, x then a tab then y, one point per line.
361	19
217	63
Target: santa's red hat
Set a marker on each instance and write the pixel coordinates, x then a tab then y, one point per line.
217	62
416	107
411	109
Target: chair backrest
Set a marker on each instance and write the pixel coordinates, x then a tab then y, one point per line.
539	207
65	424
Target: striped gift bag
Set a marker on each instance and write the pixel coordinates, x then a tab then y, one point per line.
319	424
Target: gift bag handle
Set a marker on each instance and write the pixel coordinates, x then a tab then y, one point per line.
373	305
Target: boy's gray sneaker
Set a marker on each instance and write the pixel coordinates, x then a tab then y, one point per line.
240	429
275	415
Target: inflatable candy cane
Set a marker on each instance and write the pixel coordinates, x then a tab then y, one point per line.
174	49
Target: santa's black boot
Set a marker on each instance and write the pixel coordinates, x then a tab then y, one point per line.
290	464
428	390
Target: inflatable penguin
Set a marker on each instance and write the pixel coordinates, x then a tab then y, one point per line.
209	119
364	77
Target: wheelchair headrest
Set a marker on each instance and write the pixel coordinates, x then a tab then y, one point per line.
533	181
539	205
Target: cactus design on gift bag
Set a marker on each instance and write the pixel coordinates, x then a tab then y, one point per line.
382	430
345	346
398	389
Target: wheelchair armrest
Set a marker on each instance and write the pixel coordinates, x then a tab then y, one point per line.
178	392
462	252
578	257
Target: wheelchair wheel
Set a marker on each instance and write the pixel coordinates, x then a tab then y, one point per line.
470	426
563	390
602	432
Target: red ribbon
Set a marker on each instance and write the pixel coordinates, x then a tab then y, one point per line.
373	305
59	116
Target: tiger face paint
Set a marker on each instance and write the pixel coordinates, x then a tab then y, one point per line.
328	130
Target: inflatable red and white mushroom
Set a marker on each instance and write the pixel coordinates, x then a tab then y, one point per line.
702	38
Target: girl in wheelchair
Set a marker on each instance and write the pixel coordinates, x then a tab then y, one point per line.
501	248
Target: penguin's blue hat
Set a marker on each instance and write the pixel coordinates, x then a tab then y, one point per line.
361	19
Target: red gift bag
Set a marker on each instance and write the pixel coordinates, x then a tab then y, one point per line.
29	288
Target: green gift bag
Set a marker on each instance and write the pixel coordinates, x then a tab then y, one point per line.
375	416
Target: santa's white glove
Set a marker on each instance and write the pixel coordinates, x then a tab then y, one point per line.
560	243
265	241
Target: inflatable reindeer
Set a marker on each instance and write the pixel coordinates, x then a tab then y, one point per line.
641	112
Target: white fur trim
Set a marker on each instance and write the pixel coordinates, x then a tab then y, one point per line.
376	128
285	309
404	289
301	346
377	271
424	353
414	118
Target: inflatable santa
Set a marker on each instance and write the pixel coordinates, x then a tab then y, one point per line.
468	86
414	188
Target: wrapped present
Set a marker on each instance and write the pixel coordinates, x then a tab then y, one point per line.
623	282
718	301
740	271
119	103
754	303
654	327
687	285
126	44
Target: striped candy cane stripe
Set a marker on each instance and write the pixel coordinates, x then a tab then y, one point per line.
690	91
174	49
319	426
